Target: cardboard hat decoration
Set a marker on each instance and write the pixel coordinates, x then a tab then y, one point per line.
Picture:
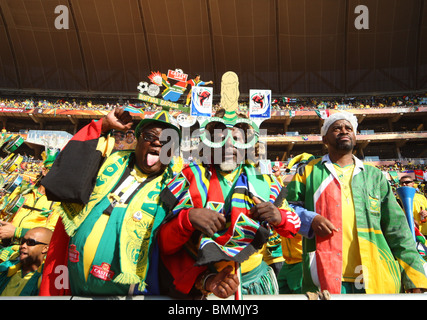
230	103
162	117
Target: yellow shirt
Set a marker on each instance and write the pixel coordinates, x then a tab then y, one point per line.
253	261
28	219
420	203
16	284
350	246
292	249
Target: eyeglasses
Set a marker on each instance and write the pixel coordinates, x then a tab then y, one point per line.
151	138
248	128
406	182
31	242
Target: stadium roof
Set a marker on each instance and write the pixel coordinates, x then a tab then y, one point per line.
304	47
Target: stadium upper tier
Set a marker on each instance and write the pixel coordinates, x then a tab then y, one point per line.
387	132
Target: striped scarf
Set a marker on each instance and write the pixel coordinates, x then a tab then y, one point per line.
138	218
199	187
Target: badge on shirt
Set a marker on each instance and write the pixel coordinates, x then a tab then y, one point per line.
374	206
137	216
73	254
102	272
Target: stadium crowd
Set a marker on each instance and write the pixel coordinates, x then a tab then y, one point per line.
42	211
283	103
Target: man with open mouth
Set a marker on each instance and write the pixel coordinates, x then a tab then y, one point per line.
107	231
22	275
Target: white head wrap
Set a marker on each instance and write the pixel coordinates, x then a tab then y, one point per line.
339	116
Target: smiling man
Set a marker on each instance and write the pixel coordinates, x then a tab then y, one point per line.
363	243
105	234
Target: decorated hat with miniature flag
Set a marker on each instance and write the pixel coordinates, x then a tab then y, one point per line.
227	117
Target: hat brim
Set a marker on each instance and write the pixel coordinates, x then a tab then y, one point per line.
145	122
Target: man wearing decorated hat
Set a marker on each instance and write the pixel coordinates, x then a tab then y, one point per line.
110	207
223	212
362	241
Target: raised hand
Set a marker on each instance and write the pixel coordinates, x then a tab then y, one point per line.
117	119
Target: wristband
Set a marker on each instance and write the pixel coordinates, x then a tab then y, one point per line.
201	283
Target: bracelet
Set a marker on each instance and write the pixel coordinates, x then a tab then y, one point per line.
201	283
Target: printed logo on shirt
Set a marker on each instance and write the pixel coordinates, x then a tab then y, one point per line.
374	206
73	254
102	272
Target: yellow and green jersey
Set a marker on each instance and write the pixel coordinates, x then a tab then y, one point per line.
388	254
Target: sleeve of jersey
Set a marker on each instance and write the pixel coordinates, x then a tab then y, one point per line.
177	230
290	224
296	189
175	233
73	174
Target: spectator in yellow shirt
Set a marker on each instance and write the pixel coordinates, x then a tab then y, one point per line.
22	277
